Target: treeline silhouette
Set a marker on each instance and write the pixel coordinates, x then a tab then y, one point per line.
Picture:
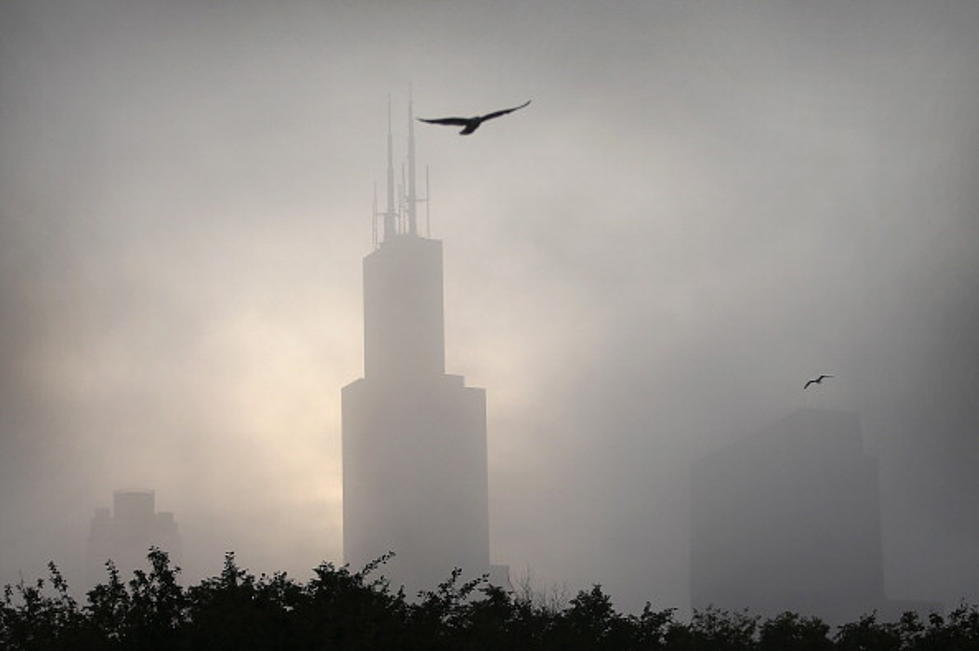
341	609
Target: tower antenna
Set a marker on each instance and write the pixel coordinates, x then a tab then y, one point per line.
389	215
402	202
412	198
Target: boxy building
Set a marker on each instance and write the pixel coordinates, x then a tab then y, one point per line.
789	519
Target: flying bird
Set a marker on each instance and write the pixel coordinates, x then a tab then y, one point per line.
471	124
816	380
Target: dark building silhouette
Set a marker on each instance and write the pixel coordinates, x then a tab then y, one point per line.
125	534
789	519
414	438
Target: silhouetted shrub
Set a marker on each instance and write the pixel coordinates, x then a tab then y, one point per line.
340	609
791	631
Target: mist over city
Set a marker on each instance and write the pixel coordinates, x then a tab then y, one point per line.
705	205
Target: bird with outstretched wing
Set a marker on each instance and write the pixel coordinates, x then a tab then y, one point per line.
816	380
471	124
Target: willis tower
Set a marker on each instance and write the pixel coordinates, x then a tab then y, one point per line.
414	438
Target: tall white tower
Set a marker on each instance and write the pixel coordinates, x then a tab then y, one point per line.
414	438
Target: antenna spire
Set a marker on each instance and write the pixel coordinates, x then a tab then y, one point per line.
412	196
402	201
389	214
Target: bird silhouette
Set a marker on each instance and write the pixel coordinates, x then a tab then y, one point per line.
816	380
471	124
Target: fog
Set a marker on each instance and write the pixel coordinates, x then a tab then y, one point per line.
705	204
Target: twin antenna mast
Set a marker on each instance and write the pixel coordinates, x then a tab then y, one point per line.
400	216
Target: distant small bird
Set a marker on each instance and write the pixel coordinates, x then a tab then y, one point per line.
471	124
816	380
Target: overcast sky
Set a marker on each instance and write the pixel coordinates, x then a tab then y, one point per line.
705	204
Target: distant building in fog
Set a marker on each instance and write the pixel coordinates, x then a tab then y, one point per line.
414	438
125	534
789	519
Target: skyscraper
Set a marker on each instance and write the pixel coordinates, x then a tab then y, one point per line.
414	438
789	519
126	534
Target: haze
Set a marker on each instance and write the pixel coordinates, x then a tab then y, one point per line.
705	204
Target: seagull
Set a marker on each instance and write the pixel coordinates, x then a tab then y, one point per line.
471	124
816	380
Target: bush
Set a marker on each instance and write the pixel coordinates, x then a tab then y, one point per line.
341	609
